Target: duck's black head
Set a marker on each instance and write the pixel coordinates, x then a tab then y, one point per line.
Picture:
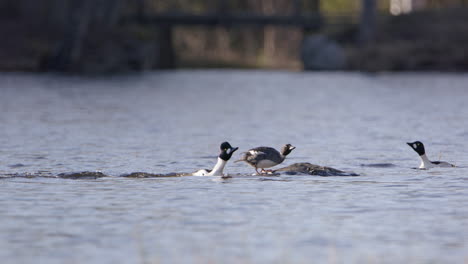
226	151
286	149
225	146
418	146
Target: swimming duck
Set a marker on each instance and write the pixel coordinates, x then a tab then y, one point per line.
266	157
224	156
418	146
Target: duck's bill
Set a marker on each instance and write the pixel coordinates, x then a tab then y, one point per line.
292	147
232	150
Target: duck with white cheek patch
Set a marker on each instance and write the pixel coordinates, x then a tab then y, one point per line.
418	146
224	156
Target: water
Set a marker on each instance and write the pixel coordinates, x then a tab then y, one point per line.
169	122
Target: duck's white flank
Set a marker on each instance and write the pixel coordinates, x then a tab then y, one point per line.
266	163
426	163
217	170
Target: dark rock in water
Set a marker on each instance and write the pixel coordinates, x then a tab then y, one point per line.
152	175
17	175
82	175
42	174
311	169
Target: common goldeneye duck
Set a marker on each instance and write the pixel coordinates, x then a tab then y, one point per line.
266	157
418	146
224	156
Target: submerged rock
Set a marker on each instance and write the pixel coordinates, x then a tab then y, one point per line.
379	165
43	174
152	175
17	165
17	175
82	175
311	169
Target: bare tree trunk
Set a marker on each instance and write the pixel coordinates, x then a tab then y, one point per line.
57	14
141	6
269	33
69	49
166	48
107	12
32	11
368	20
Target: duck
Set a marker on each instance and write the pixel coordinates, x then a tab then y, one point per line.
265	157
226	152
418	146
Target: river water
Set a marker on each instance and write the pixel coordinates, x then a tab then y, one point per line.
166	122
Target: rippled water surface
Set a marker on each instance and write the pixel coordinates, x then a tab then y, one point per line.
170	122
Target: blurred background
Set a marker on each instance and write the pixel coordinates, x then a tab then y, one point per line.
106	36
95	121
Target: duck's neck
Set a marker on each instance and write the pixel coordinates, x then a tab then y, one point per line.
283	157
218	168
425	162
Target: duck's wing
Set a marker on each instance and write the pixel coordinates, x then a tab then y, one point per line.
271	154
263	149
442	164
264	153
254	156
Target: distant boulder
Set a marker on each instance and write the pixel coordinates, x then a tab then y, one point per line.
321	53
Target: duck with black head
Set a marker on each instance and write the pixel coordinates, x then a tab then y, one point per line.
226	152
418	146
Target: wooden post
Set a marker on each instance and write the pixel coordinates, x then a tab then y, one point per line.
166	48
368	20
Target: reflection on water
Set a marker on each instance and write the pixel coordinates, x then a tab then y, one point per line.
60	135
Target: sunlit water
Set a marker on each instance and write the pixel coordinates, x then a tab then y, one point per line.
174	122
